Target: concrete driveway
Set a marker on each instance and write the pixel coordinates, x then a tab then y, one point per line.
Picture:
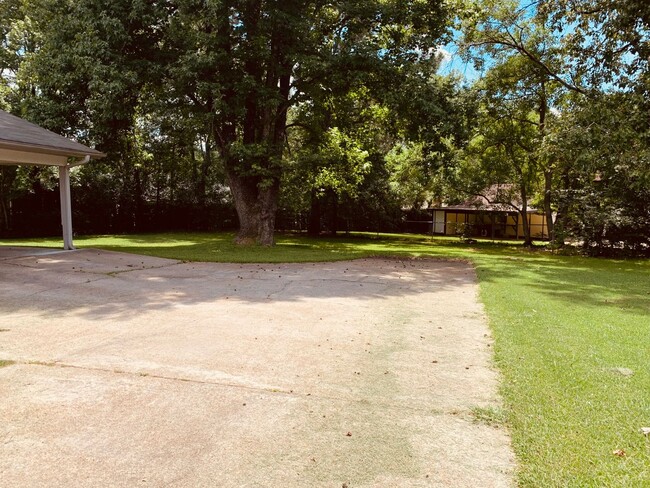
136	371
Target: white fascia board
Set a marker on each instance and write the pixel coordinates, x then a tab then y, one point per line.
11	156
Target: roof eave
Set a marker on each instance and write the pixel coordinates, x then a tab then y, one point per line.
42	149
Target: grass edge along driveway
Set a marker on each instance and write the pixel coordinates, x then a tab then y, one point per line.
571	341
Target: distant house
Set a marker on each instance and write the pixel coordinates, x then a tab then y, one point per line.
491	215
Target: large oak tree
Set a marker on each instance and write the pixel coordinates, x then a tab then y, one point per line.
243	64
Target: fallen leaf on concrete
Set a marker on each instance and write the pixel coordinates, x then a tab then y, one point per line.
349	434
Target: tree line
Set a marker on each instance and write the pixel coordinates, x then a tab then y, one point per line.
329	116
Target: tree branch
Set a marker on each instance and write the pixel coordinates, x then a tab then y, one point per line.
520	48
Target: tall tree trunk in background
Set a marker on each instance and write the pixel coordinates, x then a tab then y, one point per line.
4	216
548	210
333	221
7	178
562	210
548	170
523	193
138	196
528	240
201	187
313	227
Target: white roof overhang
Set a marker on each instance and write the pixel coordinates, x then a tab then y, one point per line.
22	142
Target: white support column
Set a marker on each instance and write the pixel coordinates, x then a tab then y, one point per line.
66	206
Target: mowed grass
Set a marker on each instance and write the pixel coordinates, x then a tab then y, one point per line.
563	327
219	247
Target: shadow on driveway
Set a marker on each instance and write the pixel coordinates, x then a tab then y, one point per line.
135	371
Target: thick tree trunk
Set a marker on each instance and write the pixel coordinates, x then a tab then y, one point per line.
254	173
256	206
268	206
244	194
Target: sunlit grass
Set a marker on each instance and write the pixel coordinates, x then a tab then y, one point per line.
220	247
562	326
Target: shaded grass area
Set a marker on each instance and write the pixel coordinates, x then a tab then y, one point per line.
219	247
562	326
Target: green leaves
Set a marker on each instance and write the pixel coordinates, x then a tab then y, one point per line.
181	92
607	41
341	164
602	149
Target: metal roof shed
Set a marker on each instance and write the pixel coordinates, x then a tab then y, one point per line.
22	142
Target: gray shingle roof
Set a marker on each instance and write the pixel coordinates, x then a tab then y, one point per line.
17	133
496	198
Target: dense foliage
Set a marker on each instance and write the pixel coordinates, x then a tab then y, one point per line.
576	71
189	98
219	114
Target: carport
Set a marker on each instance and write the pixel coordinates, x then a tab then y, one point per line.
22	142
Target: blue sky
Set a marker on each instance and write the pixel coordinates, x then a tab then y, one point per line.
452	62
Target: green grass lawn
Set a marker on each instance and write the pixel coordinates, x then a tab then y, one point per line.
219	247
562	327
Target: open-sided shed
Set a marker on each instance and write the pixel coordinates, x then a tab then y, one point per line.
497	213
22	142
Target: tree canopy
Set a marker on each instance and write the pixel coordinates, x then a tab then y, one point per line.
332	115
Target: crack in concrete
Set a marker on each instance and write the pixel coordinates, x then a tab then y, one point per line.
454	412
114	274
65	285
323	280
94	272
